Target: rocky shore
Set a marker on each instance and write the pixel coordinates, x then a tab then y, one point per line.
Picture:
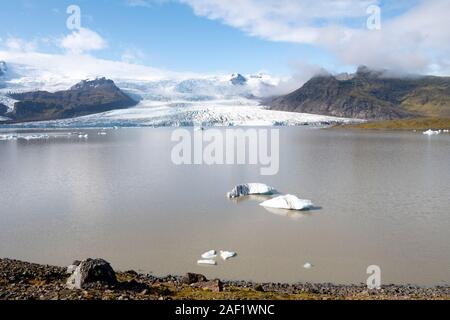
28	281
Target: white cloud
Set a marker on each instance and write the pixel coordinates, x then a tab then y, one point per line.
417	40
133	56
83	40
20	45
67	69
144	3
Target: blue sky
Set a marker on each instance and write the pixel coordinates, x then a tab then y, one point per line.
195	37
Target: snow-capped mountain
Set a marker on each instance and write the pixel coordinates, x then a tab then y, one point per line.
166	98
238	79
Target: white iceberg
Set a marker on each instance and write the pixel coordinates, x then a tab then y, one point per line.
288	202
207	262
307	265
209	255
250	189
432	132
227	254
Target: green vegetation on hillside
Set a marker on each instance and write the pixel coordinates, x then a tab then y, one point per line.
407	124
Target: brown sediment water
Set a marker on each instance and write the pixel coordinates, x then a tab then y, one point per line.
383	198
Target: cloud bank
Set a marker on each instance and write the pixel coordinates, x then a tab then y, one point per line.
417	40
83	40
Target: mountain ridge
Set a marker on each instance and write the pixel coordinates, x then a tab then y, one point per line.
85	98
370	95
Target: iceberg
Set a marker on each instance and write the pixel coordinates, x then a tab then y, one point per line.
250	189
307	265
227	254
207	262
432	132
288	202
209	255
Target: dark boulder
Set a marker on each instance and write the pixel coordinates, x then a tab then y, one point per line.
191	278
92	271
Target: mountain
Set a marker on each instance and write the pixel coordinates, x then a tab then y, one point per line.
39	86
370	95
238	80
3	109
86	97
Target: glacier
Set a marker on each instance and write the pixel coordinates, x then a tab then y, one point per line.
165	99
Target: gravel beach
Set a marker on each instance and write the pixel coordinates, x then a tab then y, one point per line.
27	281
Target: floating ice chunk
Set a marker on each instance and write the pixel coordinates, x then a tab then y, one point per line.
307	265
446	131
432	132
250	189
8	137
209	255
34	137
288	202
83	136
227	254
207	262
102	133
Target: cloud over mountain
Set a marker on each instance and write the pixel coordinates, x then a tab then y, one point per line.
418	38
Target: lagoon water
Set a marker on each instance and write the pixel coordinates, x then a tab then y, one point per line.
384	198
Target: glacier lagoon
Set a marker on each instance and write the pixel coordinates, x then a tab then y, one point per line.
383	200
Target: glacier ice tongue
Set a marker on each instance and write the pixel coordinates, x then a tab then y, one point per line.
250	189
289	202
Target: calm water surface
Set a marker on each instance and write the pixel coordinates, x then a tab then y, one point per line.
385	200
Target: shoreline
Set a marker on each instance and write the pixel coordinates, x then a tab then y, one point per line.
29	281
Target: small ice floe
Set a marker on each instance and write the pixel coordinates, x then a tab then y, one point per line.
288	202
209	262
34	137
102	133
225	255
83	136
432	132
307	265
8	137
209	255
250	189
446	131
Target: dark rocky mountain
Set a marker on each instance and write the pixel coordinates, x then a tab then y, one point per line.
84	98
3	109
369	95
238	80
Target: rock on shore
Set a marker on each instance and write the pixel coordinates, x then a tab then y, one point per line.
27	281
